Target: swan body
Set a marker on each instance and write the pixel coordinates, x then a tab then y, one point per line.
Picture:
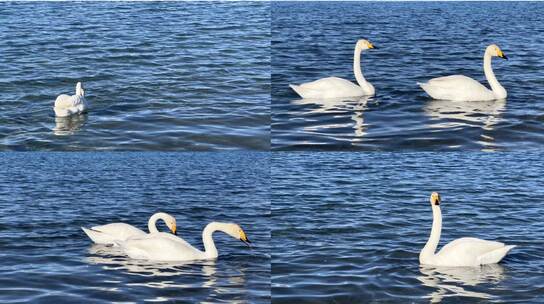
334	87
460	252
166	247
66	105
109	234
463	88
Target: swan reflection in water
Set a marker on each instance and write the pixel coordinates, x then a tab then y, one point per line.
451	114
338	108
452	281
69	125
113	258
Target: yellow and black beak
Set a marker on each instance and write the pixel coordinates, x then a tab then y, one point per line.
173	229
371	46
244	238
502	55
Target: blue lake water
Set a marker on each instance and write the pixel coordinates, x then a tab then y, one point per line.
46	197
416	42
159	76
350	226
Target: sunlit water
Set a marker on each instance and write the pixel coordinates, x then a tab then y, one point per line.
158	76
351	226
46	198
416	42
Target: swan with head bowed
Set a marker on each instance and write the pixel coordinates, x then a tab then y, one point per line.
463	88
334	87
109	234
66	105
460	252
167	247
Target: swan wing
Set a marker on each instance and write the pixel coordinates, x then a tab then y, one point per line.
496	255
64	101
330	87
110	233
467	251
456	87
477	246
67	105
160	247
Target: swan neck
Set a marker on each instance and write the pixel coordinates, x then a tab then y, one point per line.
430	248
80	91
152	223
207	238
357	68
496	87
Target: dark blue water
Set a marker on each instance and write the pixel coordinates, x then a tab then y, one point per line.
46	197
350	226
417	41
159	76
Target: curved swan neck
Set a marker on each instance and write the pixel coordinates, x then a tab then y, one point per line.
152	223
79	90
207	238
357	67
430	248
496	87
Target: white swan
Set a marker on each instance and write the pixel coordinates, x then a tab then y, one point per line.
167	247
460	252
112	233
463	88
334	87
66	105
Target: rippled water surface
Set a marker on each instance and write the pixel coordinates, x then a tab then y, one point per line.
46	198
159	76
351	226
416	42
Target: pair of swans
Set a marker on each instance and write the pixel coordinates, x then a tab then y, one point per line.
460	252
161	246
454	88
66	105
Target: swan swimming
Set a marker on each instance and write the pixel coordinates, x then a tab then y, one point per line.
109	234
463	88
167	247
66	105
460	252
334	87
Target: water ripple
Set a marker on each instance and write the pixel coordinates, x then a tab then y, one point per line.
417	41
198	79
45	256
351	226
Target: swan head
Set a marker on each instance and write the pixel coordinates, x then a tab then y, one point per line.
79	89
236	232
435	199
495	50
170	222
364	44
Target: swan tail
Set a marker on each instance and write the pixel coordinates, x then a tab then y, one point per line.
424	86
98	237
297	89
496	255
304	92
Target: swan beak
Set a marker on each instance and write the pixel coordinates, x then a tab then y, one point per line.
246	241
174	231
503	56
371	46
244	238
